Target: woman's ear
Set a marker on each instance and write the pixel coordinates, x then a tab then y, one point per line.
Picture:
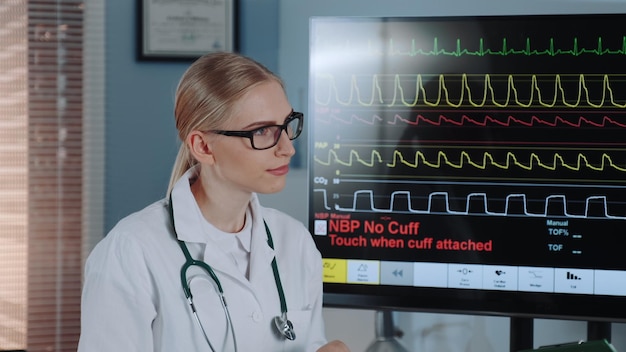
199	146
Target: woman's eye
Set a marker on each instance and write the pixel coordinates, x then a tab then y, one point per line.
261	131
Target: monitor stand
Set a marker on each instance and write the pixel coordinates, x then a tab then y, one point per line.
598	330
522	334
386	334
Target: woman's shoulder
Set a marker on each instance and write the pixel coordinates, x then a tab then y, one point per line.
141	226
153	215
138	235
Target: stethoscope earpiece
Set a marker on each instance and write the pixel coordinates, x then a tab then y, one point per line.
285	327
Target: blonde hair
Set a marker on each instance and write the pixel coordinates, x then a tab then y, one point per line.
206	95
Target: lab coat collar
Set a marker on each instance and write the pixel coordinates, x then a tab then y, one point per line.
188	222
261	254
185	210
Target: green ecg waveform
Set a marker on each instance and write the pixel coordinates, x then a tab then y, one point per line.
465	160
504	50
484	98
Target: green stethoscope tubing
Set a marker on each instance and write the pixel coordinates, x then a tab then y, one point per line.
191	262
285	327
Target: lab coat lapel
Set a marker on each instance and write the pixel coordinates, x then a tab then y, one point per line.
188	222
261	254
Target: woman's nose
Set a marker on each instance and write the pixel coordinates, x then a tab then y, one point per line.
285	145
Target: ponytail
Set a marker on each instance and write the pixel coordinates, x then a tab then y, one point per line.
183	162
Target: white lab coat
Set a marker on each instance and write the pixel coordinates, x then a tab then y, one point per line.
133	298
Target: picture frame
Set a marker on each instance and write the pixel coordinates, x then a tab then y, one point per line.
185	29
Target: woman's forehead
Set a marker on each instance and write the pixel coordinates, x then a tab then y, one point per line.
265	103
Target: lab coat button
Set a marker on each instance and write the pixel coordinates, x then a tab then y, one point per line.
256	316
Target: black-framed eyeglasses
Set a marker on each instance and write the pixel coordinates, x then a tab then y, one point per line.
267	136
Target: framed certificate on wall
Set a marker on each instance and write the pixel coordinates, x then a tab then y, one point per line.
185	29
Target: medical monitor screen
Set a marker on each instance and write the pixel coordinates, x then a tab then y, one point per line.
470	164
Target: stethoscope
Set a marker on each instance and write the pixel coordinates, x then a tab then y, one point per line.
282	323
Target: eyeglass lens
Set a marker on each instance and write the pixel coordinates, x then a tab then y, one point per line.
270	137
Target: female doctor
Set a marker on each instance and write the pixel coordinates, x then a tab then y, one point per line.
208	268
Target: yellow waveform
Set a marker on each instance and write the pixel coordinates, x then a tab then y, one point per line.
481	99
465	160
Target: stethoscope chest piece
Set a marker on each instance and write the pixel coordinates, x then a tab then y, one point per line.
284	326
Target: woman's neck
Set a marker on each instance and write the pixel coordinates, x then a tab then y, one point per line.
227	212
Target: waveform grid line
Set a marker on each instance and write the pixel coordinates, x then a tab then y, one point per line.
394	49
488	94
488	120
465	159
561	199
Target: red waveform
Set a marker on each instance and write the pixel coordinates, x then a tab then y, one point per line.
534	121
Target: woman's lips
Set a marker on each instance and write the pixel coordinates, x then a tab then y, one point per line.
279	171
